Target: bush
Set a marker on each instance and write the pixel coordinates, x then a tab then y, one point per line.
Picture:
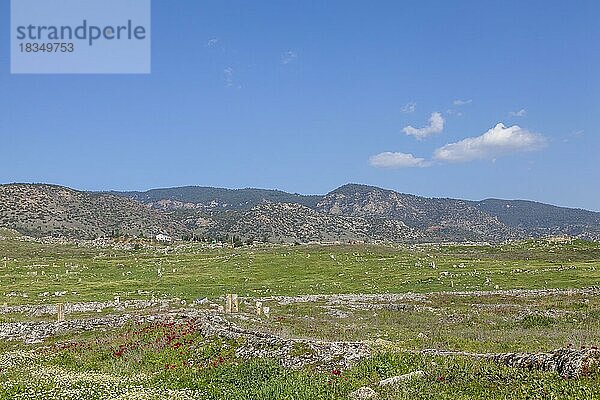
537	321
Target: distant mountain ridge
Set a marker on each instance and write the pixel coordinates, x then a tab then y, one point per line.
541	219
351	212
50	210
211	197
433	219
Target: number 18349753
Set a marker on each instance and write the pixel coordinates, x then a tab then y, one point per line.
47	47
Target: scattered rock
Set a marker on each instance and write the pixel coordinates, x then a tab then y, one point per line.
388	298
36	332
94	306
568	363
401	378
292	353
337	313
364	392
201	301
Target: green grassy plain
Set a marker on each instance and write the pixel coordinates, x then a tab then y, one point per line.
480	324
34	273
93	366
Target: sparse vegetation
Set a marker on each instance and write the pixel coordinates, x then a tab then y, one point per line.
349	214
450	297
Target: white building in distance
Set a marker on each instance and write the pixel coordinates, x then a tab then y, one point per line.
162	238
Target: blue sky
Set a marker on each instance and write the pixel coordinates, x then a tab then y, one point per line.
305	96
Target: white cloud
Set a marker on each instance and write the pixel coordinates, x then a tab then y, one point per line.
459	102
288	57
497	141
228	74
574	136
397	160
409	108
212	42
436	125
521	113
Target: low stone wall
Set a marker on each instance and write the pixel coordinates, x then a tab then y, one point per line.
36	332
292	353
567	362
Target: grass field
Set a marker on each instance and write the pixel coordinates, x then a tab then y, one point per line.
35	273
455	298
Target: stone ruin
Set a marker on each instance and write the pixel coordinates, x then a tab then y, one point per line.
567	362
